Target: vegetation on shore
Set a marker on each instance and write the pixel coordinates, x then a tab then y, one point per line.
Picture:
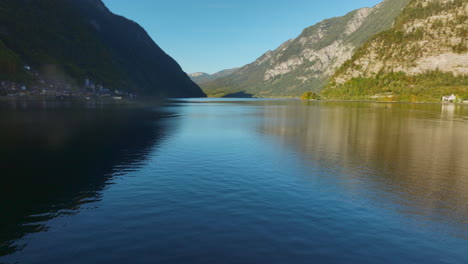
398	86
310	96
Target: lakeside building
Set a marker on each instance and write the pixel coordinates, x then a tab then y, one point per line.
451	98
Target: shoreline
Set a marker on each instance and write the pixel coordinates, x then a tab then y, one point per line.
384	102
149	99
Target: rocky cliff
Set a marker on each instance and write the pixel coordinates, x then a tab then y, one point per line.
421	58
307	62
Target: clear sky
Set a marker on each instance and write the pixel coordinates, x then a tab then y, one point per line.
212	35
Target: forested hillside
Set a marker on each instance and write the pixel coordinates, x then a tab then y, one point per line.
423	57
74	40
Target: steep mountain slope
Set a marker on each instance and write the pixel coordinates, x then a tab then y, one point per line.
10	64
306	63
201	77
423	57
78	39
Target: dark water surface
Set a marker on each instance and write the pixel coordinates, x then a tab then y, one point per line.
233	181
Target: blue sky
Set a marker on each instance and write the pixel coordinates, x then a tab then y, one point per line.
212	35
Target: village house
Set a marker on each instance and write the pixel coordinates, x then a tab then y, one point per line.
452	98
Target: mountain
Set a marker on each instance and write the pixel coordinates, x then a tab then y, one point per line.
75	40
308	61
423	57
201	77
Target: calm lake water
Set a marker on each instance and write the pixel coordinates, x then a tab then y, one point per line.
233	181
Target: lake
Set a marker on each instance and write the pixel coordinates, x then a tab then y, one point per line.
233	181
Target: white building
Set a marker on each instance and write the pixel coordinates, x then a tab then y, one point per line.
452	98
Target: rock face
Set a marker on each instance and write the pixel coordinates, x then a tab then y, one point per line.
82	39
201	77
429	35
307	62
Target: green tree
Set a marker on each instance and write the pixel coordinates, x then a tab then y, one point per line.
310	96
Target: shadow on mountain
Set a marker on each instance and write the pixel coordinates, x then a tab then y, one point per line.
56	157
239	95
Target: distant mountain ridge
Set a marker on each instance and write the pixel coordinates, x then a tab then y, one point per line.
201	77
80	39
308	61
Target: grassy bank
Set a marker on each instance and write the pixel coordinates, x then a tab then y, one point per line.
400	87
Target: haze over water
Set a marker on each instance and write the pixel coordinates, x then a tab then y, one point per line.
234	181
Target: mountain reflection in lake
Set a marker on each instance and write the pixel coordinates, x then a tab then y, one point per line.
234	181
417	152
58	156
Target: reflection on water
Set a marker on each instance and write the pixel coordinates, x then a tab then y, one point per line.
233	181
58	156
417	152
